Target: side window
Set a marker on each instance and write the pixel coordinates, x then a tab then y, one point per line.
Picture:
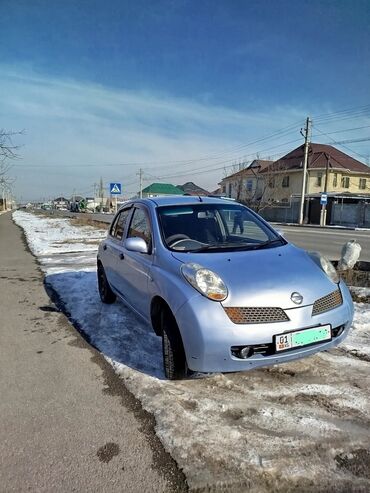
118	226
140	227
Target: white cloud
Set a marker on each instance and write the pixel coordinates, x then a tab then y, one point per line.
78	123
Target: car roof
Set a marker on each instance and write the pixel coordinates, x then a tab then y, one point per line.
182	200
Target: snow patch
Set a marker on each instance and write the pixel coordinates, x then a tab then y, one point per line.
271	426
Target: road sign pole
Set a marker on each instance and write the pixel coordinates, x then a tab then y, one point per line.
323	202
322	215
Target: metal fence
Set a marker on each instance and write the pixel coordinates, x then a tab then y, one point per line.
279	214
342	214
351	214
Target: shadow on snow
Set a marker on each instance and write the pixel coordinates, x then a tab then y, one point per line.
112	329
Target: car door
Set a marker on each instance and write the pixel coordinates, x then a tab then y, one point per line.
134	269
113	249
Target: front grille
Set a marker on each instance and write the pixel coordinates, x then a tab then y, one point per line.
327	302
255	315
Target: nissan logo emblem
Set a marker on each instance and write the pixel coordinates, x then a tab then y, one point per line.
297	298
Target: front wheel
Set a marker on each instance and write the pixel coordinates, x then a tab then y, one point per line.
174	359
105	292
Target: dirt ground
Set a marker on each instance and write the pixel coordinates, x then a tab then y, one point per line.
302	426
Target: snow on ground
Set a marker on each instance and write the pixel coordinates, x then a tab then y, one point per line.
302	425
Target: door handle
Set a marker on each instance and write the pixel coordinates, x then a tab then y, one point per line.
121	256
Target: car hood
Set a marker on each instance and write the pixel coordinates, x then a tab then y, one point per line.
265	277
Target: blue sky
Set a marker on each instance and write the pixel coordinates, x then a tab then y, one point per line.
179	88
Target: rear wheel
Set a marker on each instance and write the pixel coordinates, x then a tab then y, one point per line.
174	359
105	292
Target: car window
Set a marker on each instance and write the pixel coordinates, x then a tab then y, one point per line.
118	226
241	223
214	227
140	227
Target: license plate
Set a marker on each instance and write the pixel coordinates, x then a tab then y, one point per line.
301	338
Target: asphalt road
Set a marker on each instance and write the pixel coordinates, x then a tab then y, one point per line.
67	422
328	241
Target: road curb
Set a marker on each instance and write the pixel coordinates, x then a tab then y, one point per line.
317	226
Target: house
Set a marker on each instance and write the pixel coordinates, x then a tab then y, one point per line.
345	179
190	188
245	185
160	189
328	170
61	203
274	188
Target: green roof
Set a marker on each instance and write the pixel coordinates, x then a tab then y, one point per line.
163	189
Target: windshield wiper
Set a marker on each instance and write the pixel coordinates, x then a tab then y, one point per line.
267	243
227	245
217	246
237	246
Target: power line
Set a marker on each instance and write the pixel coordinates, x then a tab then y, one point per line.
355	108
333	141
349	141
343	114
226	163
343	118
322	119
203	170
278	133
347	130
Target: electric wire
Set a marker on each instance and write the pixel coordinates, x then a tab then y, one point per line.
342	145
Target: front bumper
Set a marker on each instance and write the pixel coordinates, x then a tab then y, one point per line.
208	334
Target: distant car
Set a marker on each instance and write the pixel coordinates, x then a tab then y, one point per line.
221	287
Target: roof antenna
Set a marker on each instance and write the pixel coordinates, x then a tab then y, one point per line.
200	198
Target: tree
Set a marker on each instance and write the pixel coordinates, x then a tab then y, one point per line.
237	183
7	148
257	184
276	188
267	186
8	151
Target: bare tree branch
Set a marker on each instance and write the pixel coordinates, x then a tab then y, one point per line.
8	150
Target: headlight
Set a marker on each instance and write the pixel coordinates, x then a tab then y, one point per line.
325	265
205	281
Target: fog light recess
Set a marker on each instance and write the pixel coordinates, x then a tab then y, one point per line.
242	352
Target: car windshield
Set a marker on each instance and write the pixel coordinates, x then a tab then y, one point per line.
214	227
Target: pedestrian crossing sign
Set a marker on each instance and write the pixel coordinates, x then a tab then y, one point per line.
115	188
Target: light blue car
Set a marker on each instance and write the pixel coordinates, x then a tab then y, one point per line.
221	287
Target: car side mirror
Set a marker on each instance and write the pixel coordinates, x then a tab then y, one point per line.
136	244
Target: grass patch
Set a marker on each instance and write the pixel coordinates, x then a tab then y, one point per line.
82	221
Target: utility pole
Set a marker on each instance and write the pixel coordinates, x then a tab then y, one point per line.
101	193
3	192
305	165
140	173
323	202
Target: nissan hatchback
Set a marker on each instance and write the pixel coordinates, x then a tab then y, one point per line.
222	288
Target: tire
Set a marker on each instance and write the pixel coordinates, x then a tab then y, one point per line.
174	359
106	294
